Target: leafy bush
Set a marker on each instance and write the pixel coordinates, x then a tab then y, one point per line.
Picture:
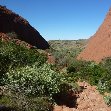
20	102
29	80
107	100
19	55
75	66
12	35
88	71
12	56
35	81
102	86
106	63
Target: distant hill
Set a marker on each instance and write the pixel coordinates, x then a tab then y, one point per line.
68	44
11	22
65	51
99	45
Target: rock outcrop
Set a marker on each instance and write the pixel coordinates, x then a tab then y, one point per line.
99	45
11	22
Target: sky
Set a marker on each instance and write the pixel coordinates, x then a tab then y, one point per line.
62	19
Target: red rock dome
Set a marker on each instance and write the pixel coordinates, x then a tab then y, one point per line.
99	45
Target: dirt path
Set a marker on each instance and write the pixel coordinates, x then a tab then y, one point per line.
89	100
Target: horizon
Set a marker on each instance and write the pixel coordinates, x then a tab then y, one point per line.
62	20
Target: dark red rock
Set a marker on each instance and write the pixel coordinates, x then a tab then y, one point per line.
11	22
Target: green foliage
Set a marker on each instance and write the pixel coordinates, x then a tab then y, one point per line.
95	74
65	51
20	102
13	60
75	66
12	35
35	81
12	56
103	86
4	65
19	55
107	100
29	81
64	57
106	63
89	71
67	44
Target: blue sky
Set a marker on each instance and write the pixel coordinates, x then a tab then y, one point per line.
62	19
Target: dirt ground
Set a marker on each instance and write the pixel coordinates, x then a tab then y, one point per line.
89	100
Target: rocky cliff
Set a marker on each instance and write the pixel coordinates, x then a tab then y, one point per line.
11	22
99	45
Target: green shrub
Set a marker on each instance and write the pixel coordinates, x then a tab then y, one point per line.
12	56
88	71
38	82
20	102
107	100
102	86
30	82
12	35
4	65
106	64
19	55
35	81
75	66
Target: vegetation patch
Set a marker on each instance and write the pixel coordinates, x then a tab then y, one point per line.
29	83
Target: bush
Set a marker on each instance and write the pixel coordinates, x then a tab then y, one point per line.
29	80
20	102
102	86
75	66
12	56
34	81
37	82
107	100
88	71
106	64
12	35
19	55
64	57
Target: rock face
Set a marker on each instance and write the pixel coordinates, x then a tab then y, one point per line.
99	45
11	22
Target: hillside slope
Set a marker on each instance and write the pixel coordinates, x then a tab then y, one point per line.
65	51
11	22
68	44
99	45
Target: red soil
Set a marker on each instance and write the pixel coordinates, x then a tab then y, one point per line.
6	38
51	58
89	100
99	45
